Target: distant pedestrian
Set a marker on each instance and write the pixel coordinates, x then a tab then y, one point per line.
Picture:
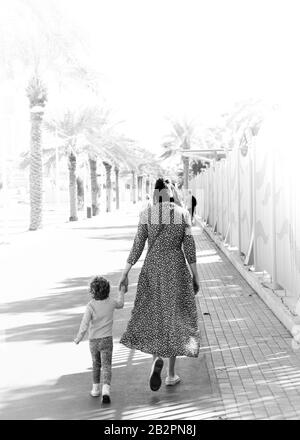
146	202
98	318
188	202
191	204
194	204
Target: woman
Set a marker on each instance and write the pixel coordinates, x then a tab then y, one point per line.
164	317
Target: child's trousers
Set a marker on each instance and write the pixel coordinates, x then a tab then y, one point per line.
101	351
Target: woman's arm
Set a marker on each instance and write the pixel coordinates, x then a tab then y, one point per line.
189	248
136	250
124	278
193	267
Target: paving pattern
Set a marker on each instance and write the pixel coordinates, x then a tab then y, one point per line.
257	371
247	368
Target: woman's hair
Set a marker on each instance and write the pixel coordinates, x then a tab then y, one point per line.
161	184
99	288
162	191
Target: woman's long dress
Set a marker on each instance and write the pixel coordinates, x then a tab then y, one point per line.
164	317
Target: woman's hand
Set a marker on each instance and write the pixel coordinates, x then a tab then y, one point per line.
195	277
196	284
124	278
124	282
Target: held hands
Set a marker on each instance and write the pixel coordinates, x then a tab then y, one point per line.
123	283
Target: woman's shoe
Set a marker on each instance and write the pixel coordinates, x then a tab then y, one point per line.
155	379
170	381
106	393
95	392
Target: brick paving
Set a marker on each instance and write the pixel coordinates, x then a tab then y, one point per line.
247	368
256	370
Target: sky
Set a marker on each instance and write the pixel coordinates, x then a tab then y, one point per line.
190	59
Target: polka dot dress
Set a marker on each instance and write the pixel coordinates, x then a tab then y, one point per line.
164	317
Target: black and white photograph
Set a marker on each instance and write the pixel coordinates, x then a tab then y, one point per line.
150	213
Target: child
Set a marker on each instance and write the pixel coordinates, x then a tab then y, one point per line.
98	317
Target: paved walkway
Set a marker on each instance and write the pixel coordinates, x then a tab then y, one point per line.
249	351
246	368
18	217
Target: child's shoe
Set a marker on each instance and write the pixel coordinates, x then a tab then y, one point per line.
95	390
106	393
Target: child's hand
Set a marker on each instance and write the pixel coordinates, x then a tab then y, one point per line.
76	341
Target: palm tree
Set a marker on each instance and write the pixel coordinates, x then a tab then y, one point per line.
95	188
72	164
148	168
42	50
117	172
89	133
182	137
73	129
108	185
244	114
117	152
122	150
137	161
97	137
37	95
99	146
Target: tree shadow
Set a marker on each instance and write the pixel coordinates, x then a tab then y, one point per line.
60	323
115	237
74	295
105	228
69	399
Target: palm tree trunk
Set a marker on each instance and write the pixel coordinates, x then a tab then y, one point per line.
37	95
186	166
133	187
73	188
140	187
143	188
95	187
80	193
36	173
108	186
151	188
117	188
148	186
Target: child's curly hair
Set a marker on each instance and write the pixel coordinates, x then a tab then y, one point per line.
99	288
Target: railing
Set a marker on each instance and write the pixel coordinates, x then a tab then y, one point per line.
251	200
